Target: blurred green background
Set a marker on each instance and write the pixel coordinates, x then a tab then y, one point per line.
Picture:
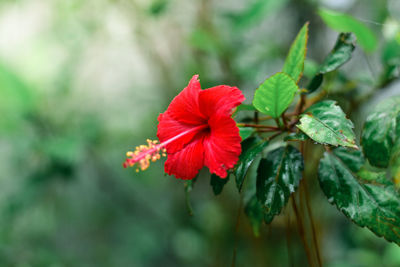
83	81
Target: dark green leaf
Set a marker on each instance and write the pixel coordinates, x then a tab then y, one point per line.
275	95
375	204
326	123
381	131
300	136
346	23
278	175
391	52
353	159
339	55
251	147
188	186
315	83
294	63
395	163
255	213
245	132
158	7
217	183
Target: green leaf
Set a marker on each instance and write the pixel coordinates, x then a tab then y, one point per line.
251	147
188	187
346	23
391	52
204	40
256	11
217	183
395	163
381	131
255	213
326	123
275	95
17	99
278	175
245	132
300	136
375	204
294	63
315	83
353	159
340	54
245	107
158	7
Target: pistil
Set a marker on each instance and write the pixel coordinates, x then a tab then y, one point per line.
153	151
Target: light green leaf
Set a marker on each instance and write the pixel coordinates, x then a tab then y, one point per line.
374	204
294	63
204	40
326	123
275	95
256	11
381	132
346	23
251	148
278	175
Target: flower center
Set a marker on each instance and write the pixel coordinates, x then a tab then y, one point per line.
153	151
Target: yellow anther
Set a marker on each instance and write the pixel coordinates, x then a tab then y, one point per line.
144	154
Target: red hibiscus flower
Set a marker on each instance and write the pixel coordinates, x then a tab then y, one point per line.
196	130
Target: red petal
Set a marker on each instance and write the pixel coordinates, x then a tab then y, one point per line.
222	146
186	163
220	99
185	106
168	128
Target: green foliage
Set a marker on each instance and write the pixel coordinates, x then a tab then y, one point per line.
346	23
255	213
381	132
204	41
275	95
340	54
251	147
394	164
255	12
158	7
16	99
326	123
294	63
245	132
217	183
374	204
245	107
299	136
278	175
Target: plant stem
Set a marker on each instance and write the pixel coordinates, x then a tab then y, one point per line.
284	120
257	126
